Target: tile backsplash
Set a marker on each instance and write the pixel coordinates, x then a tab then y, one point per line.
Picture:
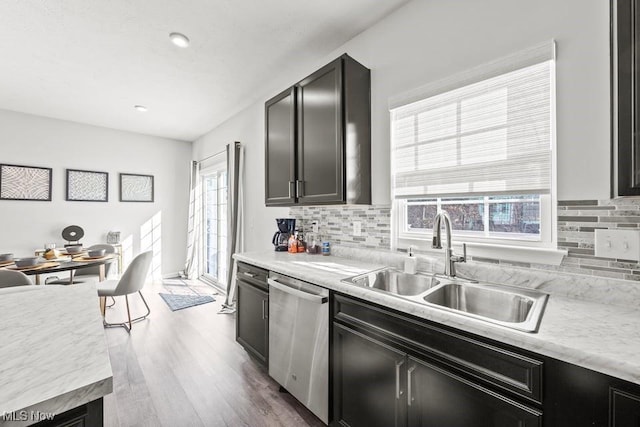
335	224
577	222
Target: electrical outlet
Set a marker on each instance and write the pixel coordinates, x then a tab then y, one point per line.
618	244
314	226
357	228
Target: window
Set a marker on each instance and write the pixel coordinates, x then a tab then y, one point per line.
489	216
214	185
479	146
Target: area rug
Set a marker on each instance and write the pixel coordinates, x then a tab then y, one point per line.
182	294
180	301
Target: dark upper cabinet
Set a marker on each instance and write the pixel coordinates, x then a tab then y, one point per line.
252	323
626	95
280	148
318	138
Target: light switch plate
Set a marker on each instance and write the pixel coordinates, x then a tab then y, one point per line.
357	228
618	244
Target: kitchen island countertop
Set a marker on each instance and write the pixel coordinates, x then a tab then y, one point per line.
54	355
601	337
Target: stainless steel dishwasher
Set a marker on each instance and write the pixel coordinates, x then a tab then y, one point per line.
298	341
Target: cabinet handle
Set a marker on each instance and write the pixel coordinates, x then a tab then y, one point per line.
264	310
299	188
291	184
398	391
409	374
246	273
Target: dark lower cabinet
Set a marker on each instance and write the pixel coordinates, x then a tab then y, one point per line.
378	385
393	369
437	398
625	409
367	391
87	415
252	322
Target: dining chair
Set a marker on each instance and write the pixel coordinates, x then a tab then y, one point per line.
132	281
10	278
82	275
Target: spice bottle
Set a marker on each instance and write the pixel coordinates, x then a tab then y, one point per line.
326	248
292	244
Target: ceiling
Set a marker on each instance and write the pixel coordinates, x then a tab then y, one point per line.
91	61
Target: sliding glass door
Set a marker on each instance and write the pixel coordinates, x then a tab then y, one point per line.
214	185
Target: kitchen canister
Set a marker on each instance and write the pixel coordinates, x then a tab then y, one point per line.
326	248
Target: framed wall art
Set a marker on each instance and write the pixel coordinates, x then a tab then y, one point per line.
136	188
87	186
25	183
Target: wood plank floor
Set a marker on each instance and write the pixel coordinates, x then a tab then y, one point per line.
184	368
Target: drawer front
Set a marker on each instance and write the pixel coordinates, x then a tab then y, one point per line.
503	368
254	275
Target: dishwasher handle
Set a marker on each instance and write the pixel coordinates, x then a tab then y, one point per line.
317	299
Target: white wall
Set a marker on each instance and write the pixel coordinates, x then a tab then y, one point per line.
427	40
248	128
38	141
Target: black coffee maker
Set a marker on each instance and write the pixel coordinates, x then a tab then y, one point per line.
286	227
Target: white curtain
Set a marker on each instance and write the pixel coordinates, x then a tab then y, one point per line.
235	223
194	236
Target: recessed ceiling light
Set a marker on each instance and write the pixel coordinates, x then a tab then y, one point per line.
179	39
141	108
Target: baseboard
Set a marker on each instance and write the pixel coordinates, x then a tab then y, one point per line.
171	275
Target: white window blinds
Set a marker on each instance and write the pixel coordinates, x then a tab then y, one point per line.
490	137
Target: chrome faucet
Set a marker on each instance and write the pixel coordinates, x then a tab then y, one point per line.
449	258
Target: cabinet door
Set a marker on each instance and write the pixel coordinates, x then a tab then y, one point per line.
625	409
87	415
252	327
320	136
368	381
436	398
280	149
625	36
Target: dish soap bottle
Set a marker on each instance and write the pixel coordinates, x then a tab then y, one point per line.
410	262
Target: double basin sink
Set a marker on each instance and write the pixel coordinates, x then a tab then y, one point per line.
507	306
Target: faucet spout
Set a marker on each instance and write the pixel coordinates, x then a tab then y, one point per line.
449	258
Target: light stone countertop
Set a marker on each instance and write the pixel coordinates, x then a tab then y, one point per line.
601	337
54	355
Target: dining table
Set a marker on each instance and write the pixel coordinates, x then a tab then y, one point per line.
67	263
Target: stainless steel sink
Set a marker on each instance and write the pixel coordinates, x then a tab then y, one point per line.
508	306
394	281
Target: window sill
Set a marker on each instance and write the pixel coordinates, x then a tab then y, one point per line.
550	256
526	254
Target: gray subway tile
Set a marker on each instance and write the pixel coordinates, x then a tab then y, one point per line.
577	203
578	218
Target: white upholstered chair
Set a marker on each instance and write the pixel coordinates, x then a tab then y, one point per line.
132	281
9	278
